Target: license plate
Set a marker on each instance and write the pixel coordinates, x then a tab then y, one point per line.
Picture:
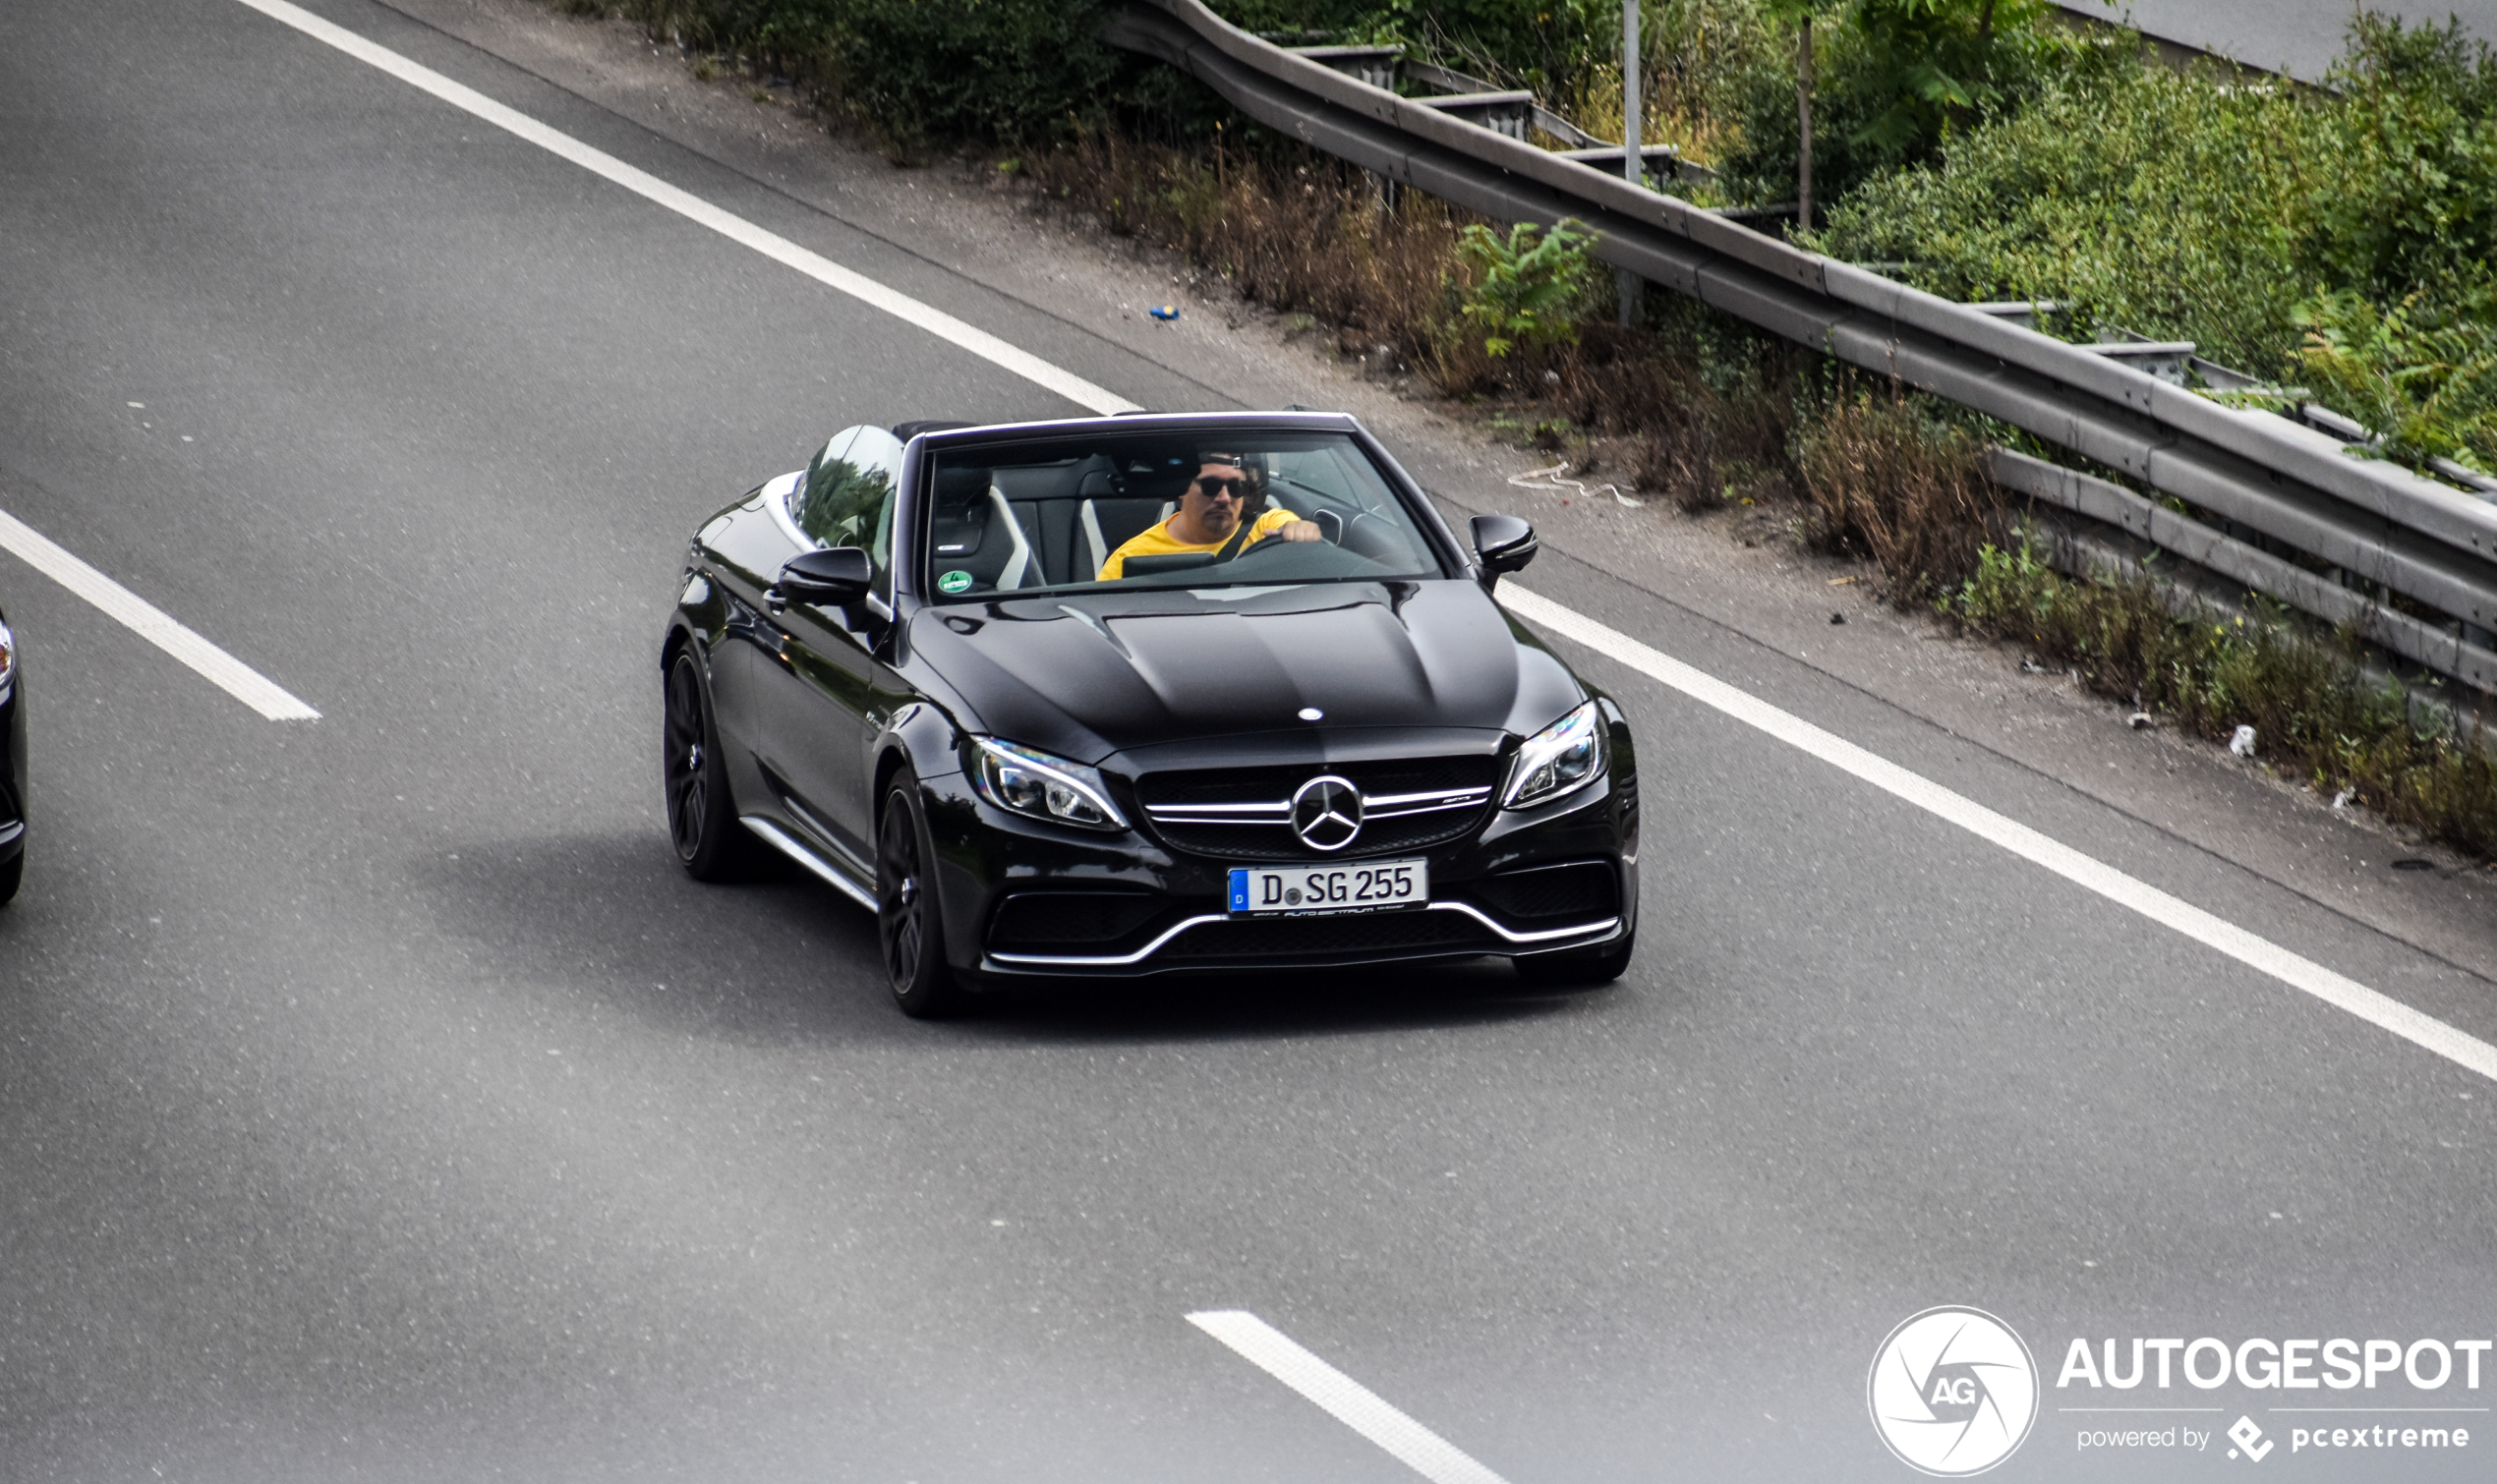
1330	888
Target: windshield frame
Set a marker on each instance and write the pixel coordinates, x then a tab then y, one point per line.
916	571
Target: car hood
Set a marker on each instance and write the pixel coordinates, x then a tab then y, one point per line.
1088	674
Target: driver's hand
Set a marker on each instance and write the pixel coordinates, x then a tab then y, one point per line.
1301	531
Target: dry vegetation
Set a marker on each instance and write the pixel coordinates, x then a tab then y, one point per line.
1296	236
2307	696
1904	489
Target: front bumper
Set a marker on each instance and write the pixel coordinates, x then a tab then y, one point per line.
1026	899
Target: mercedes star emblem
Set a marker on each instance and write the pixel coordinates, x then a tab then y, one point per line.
1327	813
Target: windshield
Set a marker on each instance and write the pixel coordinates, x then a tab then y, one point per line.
1206	509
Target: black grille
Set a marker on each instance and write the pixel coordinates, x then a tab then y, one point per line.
1277	842
1581	891
1293	937
1058	919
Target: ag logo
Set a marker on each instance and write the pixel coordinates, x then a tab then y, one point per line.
1954	1391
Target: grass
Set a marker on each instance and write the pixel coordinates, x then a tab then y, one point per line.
1890	480
1299	235
2316	715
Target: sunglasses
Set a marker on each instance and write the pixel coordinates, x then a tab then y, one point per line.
1216	488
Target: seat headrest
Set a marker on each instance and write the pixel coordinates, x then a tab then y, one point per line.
965	489
1097	478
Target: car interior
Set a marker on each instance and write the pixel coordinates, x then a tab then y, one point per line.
1048	525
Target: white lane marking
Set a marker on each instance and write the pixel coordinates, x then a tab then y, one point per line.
151	623
2289	968
1349	1401
737	229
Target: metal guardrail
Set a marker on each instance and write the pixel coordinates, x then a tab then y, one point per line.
1510	111
2266	483
2215	550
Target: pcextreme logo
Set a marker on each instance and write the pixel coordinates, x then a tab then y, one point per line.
1952	1392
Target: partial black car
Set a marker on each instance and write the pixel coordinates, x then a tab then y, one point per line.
11	763
900	667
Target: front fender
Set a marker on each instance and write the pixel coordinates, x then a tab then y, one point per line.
700	618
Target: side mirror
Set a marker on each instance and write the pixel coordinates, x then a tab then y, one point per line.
835	577
1504	543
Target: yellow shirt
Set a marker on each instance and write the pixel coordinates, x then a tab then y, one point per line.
1156	541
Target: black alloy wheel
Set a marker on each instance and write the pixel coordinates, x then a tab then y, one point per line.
702	819
908	925
1581	967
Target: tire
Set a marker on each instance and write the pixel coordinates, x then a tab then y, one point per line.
702	816
910	926
13	872
1580	967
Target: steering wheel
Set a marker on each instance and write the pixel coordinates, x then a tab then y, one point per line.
1267	548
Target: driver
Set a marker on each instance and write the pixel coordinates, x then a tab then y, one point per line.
1208	517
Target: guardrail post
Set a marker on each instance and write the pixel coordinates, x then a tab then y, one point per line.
1634	165
1803	123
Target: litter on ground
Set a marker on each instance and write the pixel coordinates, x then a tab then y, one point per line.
1554	478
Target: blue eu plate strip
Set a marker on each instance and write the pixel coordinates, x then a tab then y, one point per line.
1238	889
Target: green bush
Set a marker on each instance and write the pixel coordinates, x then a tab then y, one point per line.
2425	379
917	70
2342	240
2132	195
2410	202
1525	290
1892	80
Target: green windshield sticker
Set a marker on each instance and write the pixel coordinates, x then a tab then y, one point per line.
955	581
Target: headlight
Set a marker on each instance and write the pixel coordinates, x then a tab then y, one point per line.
8	656
1027	781
1561	756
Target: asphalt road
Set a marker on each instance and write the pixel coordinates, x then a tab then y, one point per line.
381	1102
2301	37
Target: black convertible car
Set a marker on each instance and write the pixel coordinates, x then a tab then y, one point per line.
1132	695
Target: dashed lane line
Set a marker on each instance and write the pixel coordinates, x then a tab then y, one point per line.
694	208
2298	973
1342	1398
154	624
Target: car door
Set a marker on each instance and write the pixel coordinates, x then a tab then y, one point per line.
741	553
817	695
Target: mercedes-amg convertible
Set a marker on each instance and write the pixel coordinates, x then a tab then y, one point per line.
1136	694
